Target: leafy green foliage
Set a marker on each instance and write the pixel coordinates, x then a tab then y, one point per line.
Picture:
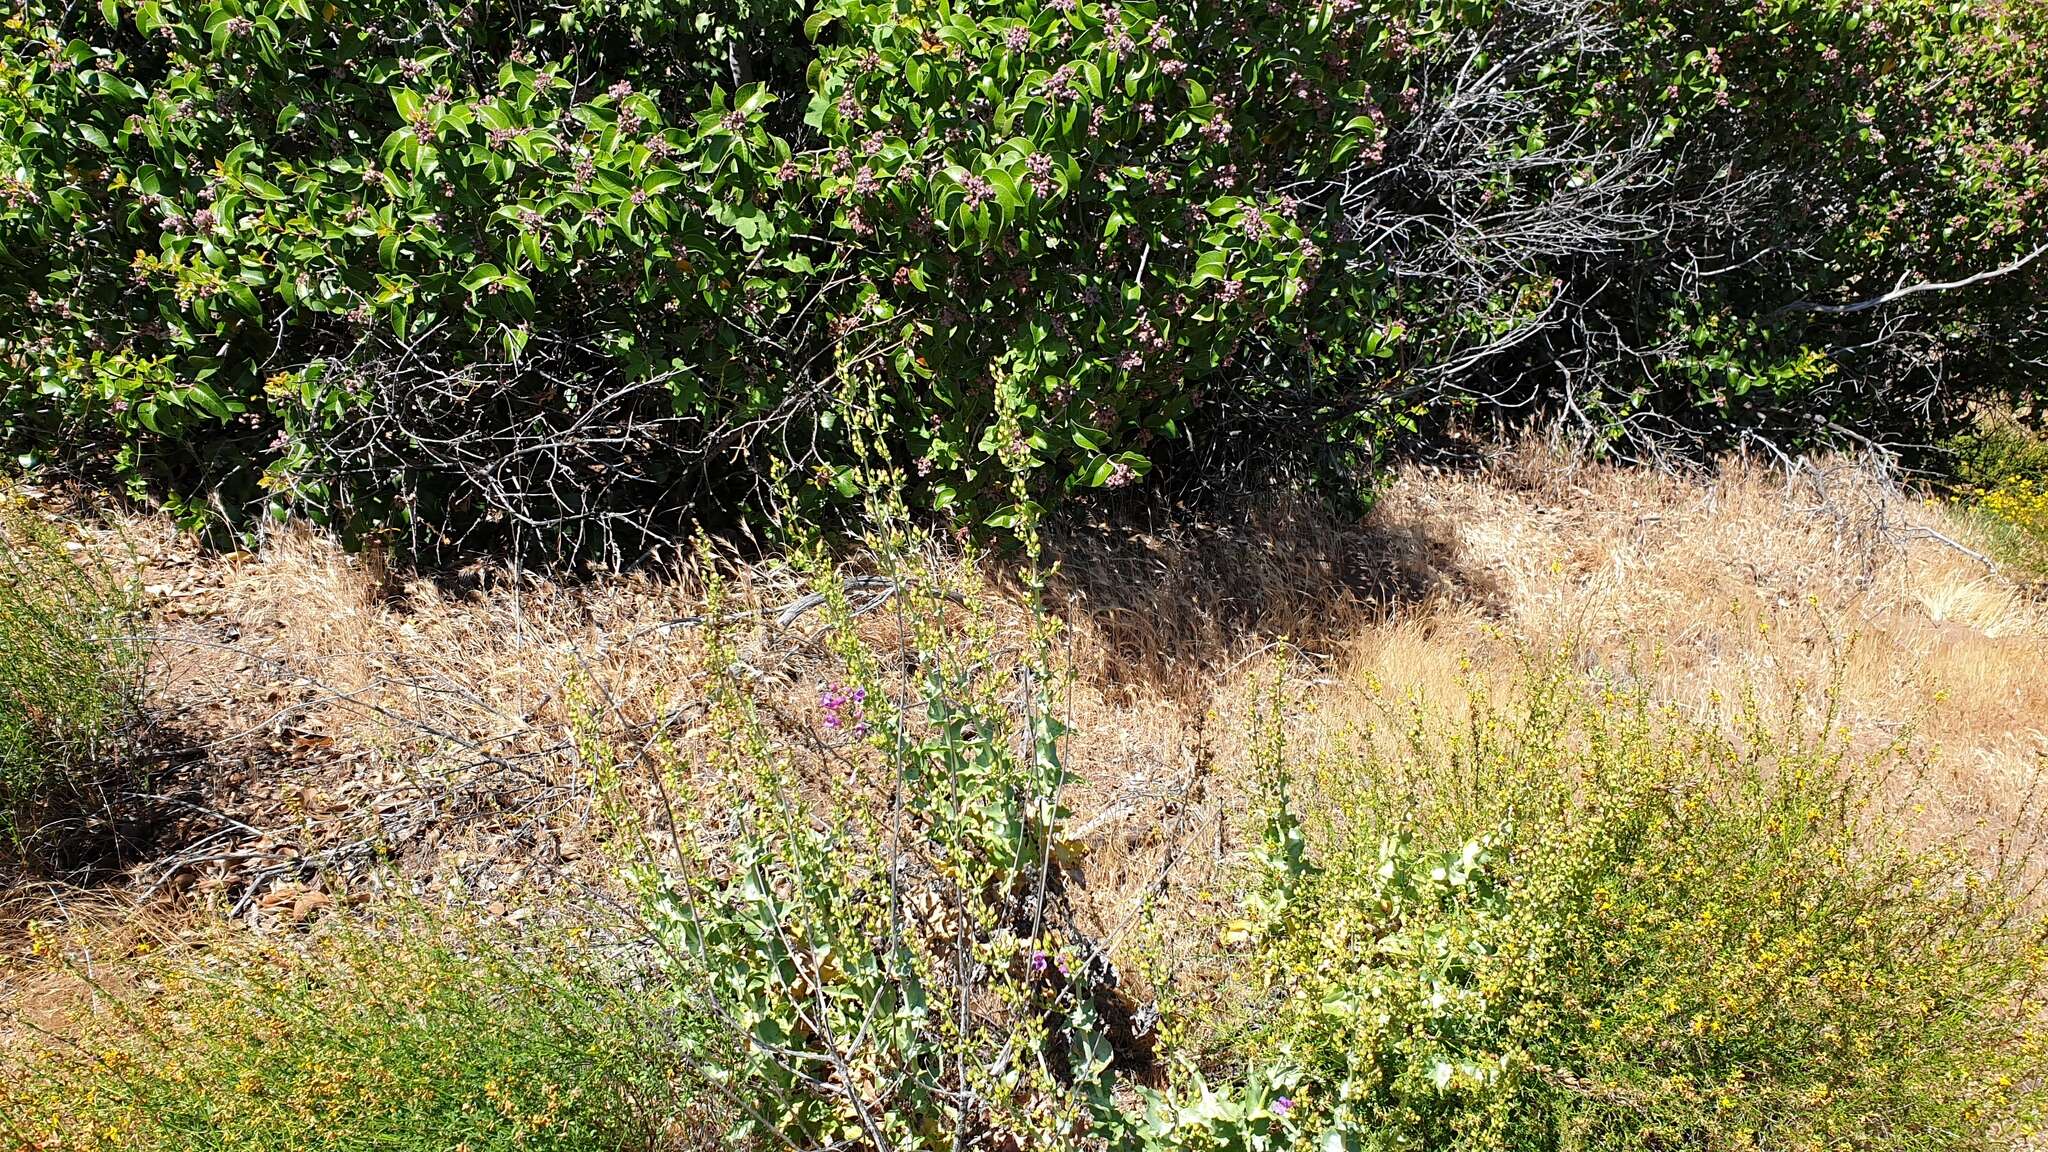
68	679
899	977
1582	920
1060	236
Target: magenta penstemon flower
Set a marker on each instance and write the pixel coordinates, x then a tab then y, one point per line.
844	709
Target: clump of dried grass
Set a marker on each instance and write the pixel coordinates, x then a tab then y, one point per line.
1742	579
1174	608
1745	581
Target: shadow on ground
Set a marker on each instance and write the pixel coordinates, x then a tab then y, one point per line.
1175	597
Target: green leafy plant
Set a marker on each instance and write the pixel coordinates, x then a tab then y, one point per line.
901	973
1584	921
482	275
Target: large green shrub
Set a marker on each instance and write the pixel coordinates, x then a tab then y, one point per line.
559	273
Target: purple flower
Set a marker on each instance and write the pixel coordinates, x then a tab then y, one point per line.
621	90
843	708
1017	38
1282	1105
1039	962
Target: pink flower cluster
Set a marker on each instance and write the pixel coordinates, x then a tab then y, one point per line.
844	709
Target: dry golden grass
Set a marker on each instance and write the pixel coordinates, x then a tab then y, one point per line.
1739	580
451	721
1743	581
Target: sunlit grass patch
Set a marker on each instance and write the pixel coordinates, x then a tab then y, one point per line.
427	1036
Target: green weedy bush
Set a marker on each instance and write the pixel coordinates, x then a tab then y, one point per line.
557	275
2001	471
894	952
1584	922
428	1037
68	684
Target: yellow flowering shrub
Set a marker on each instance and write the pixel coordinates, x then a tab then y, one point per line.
2021	502
2004	488
2020	505
1587	922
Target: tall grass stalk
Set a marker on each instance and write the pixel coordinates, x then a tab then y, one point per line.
69	680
